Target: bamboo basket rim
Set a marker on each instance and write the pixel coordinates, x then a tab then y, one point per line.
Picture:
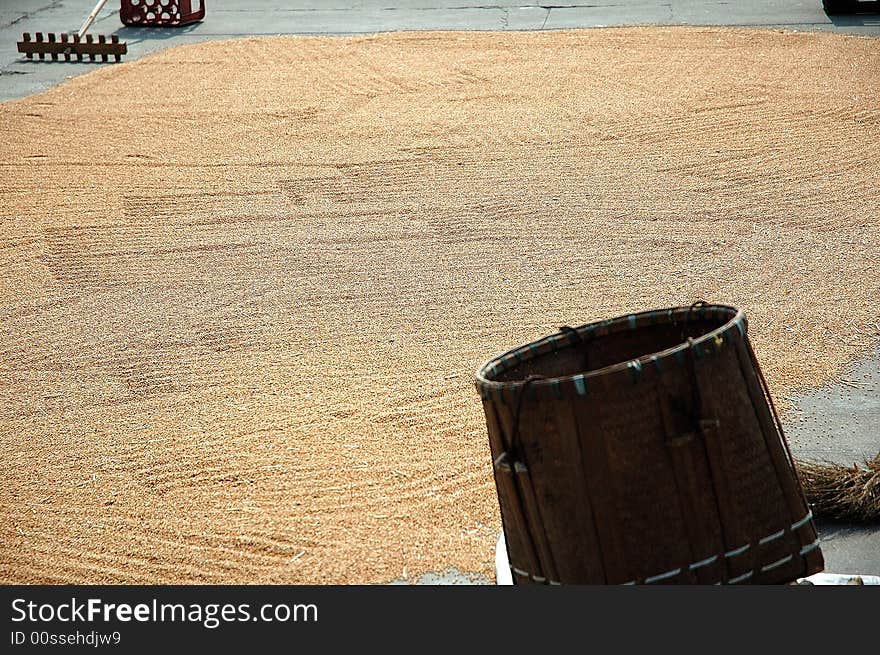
704	344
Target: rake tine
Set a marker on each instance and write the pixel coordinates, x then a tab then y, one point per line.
26	37
67	50
102	39
76	39
90	40
52	40
40	40
115	39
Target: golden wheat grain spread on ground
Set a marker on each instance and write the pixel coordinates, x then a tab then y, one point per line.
244	285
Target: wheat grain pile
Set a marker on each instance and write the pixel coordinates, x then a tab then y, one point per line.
244	285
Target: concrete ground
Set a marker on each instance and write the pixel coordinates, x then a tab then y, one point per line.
840	422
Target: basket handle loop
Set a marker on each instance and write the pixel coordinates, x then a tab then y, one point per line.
573	334
687	317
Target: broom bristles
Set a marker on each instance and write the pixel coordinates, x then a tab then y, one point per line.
844	493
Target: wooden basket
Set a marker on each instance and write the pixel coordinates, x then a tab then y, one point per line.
645	449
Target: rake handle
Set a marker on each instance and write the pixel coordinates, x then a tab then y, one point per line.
91	18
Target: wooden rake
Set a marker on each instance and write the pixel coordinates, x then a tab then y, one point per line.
74	45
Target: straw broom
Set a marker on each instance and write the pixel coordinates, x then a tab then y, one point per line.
843	492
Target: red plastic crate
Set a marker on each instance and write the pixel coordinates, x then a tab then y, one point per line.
161	13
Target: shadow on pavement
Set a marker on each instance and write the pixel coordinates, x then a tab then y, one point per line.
141	34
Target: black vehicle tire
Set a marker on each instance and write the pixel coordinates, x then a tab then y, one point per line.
832	7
